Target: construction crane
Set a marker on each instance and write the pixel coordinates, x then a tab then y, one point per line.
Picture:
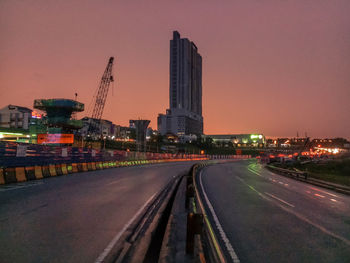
100	100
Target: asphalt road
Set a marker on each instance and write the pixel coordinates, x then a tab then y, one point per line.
266	217
73	218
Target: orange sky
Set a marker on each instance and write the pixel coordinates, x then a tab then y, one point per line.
271	67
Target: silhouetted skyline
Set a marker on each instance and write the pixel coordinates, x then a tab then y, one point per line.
272	67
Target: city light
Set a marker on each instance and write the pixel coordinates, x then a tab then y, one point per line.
11	133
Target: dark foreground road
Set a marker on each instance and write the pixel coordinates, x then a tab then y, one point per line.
265	217
74	218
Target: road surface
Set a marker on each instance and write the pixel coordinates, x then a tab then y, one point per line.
73	218
259	216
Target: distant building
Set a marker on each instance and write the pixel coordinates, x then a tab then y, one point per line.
184	116
16	117
238	140
102	128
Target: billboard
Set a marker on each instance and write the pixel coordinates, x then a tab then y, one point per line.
55	138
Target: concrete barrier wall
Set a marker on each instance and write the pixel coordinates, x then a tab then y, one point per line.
22	174
47	161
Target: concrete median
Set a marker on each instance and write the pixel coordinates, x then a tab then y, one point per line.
30	172
58	168
46	171
2	177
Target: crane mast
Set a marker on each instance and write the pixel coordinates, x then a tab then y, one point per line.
101	97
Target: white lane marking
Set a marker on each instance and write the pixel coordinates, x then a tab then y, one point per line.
117	181
308	192
279	199
334	200
227	243
274	180
254	172
5	188
322	196
120	233
301	217
286	184
280	182
325	192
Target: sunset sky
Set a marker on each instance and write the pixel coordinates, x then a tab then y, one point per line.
271	67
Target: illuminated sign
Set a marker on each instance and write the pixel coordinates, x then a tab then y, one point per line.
55	138
256	136
36	115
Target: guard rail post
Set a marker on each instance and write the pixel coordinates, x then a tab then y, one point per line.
194	227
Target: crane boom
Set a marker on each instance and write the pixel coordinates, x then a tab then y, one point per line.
101	97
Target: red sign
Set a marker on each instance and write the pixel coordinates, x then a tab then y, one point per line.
55	138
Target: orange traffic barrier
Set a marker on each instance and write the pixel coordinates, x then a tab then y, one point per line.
20	174
64	169
85	168
93	166
38	172
52	169
75	168
89	166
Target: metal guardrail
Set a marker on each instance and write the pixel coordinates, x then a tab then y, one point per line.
291	173
305	177
206	246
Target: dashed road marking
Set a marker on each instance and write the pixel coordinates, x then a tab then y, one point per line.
334	200
301	217
279	199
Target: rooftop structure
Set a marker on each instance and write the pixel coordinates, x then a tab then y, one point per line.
59	112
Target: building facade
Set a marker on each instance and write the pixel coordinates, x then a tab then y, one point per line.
16	117
184	116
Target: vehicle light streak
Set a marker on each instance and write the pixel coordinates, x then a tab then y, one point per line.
322	196
322	191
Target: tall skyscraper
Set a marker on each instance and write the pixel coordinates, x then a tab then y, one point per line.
184	116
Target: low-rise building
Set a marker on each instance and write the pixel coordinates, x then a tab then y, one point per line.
16	117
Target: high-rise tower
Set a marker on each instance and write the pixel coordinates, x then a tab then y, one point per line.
184	116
